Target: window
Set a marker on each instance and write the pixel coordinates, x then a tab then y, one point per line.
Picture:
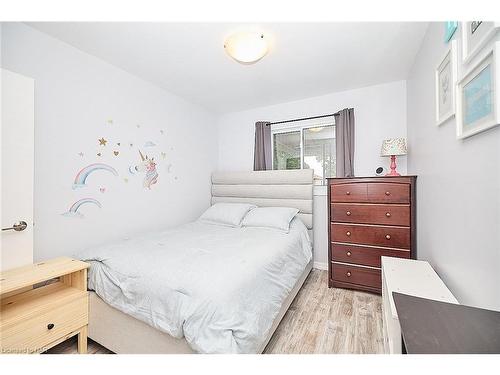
308	146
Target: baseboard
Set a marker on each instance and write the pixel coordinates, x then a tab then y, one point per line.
320	266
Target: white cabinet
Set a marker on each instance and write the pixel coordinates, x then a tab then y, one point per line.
413	277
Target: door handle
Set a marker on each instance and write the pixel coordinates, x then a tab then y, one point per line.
18	227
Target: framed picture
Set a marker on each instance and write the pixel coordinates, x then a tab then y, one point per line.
449	29
477	97
475	35
445	81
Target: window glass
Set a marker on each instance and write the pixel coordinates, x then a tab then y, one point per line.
286	150
319	152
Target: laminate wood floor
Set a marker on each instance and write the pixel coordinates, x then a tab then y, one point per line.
320	320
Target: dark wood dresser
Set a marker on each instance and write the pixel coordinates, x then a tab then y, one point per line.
369	217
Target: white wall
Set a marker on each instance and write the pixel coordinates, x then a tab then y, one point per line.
75	95
458	189
380	113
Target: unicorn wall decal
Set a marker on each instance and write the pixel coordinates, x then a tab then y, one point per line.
147	166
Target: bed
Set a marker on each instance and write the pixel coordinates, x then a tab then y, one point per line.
227	295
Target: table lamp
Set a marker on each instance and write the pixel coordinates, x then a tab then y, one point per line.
393	147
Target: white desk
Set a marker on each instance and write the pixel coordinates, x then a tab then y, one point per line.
413	277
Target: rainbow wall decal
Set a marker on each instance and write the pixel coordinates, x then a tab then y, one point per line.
73	210
81	177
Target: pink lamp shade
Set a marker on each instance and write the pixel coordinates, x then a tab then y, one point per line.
393	147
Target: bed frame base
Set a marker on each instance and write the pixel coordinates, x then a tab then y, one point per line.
121	333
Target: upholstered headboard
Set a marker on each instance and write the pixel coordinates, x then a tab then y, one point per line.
291	188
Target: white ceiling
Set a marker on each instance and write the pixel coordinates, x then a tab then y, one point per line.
306	59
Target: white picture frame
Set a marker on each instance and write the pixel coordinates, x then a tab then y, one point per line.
478	106
475	38
445	84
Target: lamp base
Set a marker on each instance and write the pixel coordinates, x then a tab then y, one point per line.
393	167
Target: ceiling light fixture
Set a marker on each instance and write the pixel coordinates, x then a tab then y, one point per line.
315	130
246	47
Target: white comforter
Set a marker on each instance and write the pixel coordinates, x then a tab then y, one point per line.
220	287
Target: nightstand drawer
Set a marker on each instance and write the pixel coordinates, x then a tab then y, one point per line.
35	332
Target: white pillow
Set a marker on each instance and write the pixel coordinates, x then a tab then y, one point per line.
270	217
230	214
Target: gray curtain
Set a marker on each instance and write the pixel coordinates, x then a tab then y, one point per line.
344	141
262	152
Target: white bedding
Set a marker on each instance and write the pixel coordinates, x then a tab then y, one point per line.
219	287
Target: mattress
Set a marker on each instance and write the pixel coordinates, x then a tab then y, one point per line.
218	287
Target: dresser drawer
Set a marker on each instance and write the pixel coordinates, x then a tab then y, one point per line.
388	193
386	236
386	214
356	192
366	256
33	334
357	275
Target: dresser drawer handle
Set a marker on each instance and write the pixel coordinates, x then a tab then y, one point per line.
347	193
388	214
387	193
348	273
388	236
348	253
348	233
348	213
50	325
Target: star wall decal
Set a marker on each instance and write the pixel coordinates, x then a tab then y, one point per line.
80	154
102	142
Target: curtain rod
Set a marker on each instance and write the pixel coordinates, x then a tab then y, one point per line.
304	118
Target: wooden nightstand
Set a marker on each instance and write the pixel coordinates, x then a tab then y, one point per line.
34	318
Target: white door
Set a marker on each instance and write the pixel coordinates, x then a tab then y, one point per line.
17	153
